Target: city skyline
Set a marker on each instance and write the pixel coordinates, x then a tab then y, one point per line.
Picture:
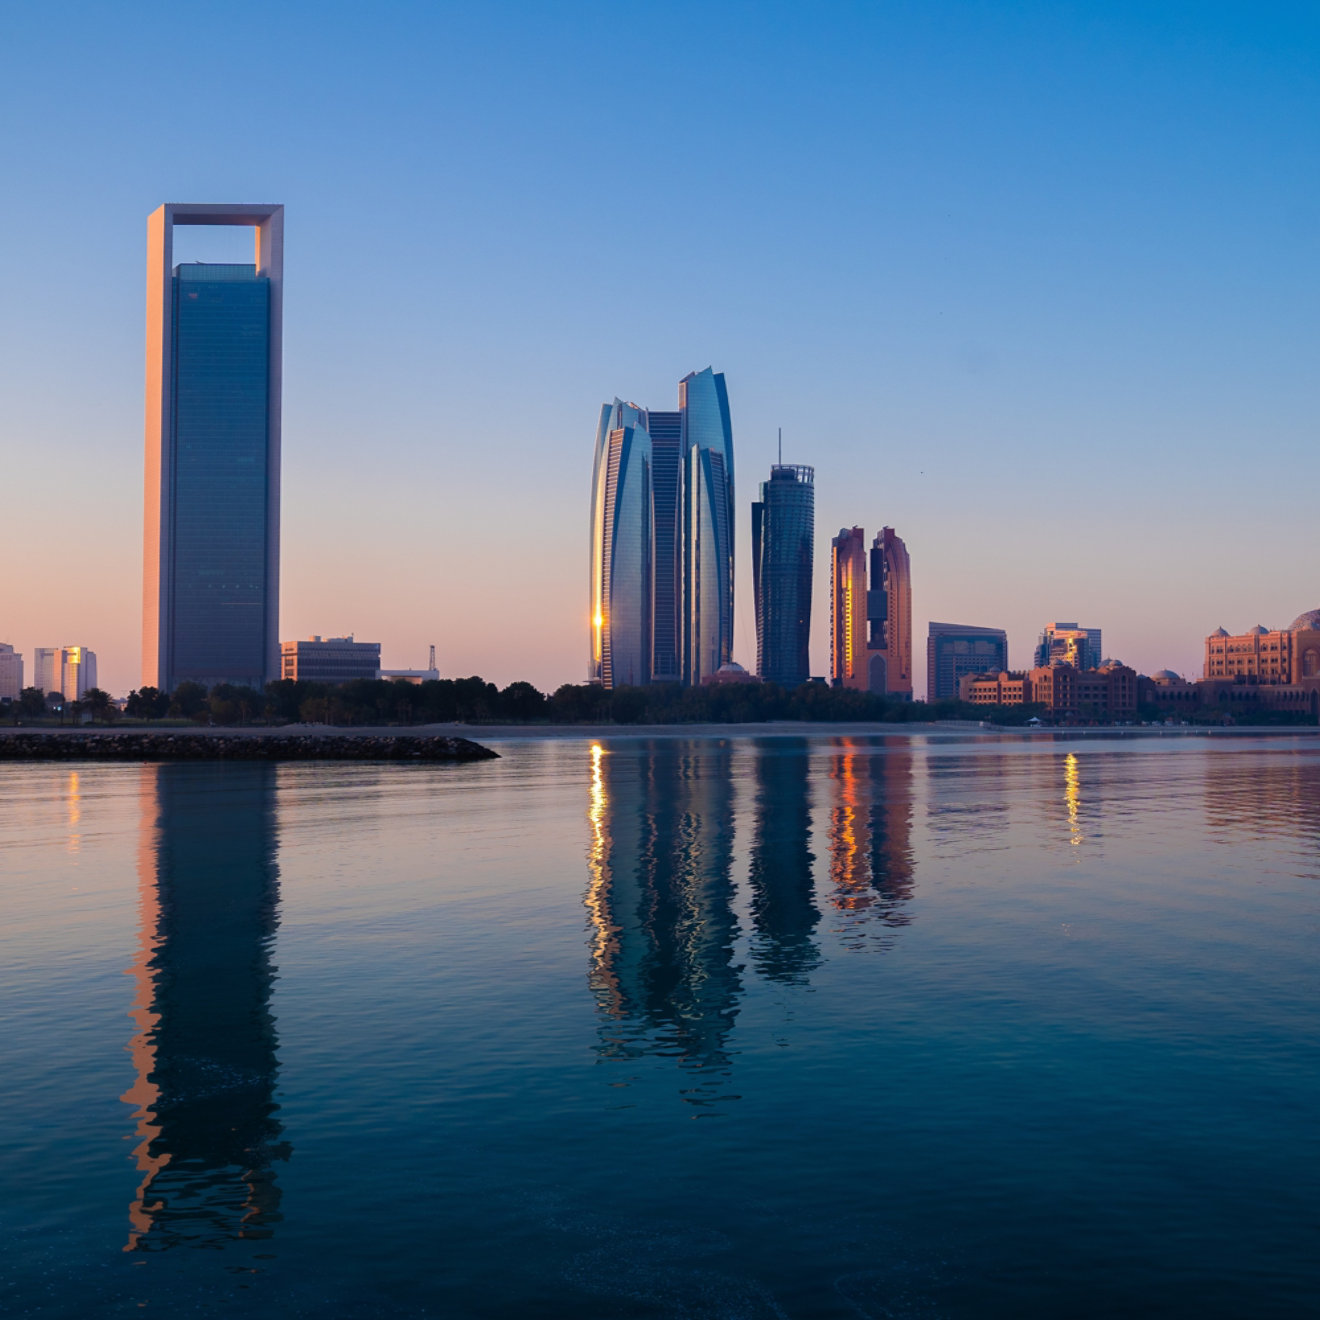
1065	246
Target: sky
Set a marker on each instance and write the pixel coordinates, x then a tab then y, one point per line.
1033	283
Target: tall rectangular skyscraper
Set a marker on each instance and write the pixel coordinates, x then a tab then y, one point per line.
783	528
210	599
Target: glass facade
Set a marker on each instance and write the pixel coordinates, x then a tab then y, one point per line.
1080	647
783	528
661	592
707	605
666	429
621	549
954	649
220	396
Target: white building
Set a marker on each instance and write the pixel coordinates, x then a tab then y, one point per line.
68	670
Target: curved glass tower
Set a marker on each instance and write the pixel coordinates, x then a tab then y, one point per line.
707	518
662	539
783	526
622	547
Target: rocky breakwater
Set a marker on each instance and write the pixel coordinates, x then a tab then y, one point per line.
190	746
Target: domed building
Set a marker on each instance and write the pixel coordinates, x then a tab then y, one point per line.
1282	657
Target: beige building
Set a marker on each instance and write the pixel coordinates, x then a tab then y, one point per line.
1107	693
68	670
1280	657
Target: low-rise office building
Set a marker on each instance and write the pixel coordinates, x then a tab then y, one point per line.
414	676
11	673
329	659
1064	692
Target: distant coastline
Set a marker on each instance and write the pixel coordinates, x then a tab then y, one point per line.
237	745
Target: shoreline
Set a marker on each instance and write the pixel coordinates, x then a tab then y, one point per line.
459	742
18	745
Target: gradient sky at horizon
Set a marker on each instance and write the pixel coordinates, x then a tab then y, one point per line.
1035	284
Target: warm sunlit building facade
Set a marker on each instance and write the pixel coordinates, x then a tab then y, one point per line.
1279	657
783	531
891	634
67	670
661	587
210	609
1079	647
871	622
1063	692
848	609
954	650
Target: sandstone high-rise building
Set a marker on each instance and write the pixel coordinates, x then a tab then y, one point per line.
871	622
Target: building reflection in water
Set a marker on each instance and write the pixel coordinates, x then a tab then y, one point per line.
784	912
1272	794
870	837
659	898
1072	796
204	1050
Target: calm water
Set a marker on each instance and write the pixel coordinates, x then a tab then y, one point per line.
691	1028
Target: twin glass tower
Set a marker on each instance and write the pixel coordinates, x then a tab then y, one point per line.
662	539
211	544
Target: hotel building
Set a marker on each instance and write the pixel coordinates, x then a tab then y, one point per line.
956	649
1106	693
210	609
783	530
1279	657
871	625
848	600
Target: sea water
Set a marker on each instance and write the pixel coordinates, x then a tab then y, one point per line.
673	1027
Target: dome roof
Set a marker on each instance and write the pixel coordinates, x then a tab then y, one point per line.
1219	632
1306	622
1165	675
1259	630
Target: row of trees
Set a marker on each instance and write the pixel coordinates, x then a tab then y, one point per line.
473	700
33	703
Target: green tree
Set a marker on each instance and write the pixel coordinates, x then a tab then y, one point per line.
189	701
32	702
521	701
98	702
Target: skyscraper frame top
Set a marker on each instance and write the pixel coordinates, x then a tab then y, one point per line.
158	510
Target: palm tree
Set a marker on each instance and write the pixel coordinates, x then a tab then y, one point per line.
98	702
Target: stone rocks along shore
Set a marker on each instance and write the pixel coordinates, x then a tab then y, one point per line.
190	746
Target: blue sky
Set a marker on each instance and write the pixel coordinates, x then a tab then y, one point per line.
1034	284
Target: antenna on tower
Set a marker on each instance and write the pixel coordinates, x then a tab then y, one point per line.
781	446
431	666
